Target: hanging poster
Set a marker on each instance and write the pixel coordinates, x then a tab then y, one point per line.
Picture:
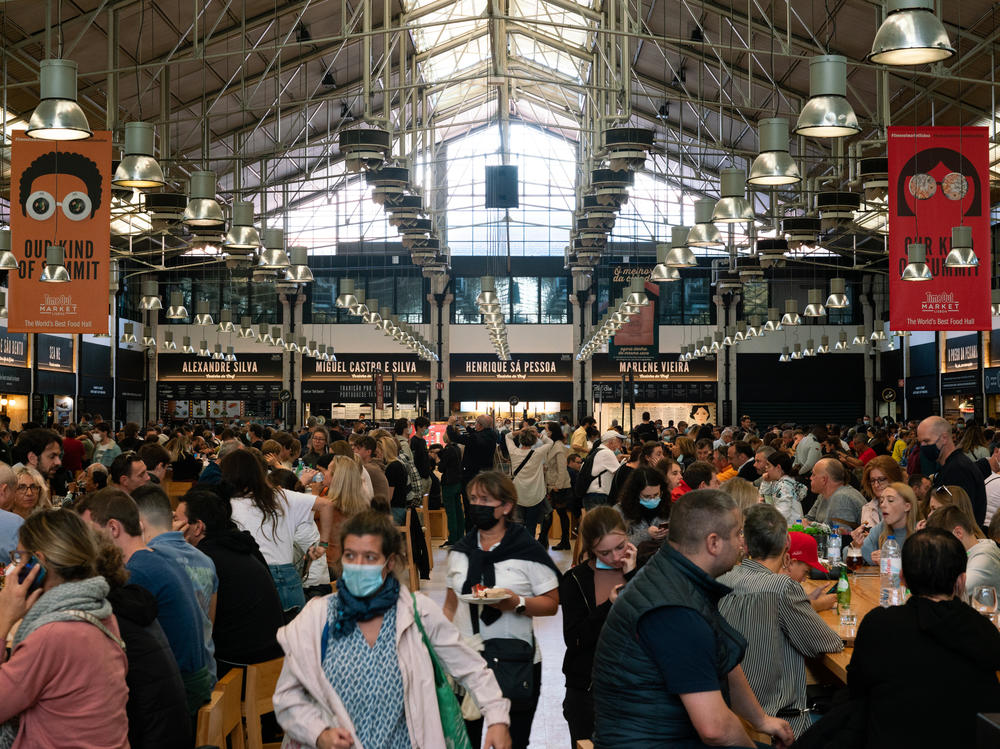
60	194
939	179
639	338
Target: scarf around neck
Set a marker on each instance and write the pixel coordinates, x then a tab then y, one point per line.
347	609
517	543
58	604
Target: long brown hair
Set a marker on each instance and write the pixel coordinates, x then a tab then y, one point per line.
888	466
245	473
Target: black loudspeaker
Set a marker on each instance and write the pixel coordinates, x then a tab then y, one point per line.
501	187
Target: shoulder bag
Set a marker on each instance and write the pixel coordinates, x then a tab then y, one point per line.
452	723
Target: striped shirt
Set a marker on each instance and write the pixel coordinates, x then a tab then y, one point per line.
774	615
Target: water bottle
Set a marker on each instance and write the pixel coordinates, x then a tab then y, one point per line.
299	467
890	566
833	548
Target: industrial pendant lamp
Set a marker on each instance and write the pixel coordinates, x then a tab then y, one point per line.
962	255
168	341
733	207
791	316
910	35
827	113
55	265
738	333
797	351
150	299
878	331
202	315
810	349
230	354
176	310
754	327
916	267
203	349
662	273
187	348
637	293
773	320
147	337
264	335
995	302
3	304
841	344
838	294
217	354
138	168
246	327
824	345
7	259
815	306
773	167
276	338
860	338
202	208
704	233
784	355
346	298
128	334
680	255
58	116
298	271
226	322
273	256
242	235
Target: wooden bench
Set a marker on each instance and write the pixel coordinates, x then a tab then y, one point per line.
411	568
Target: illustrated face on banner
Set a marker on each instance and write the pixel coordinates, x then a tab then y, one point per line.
60	189
700	414
60	194
946	181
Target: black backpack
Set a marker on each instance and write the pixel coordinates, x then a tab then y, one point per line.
584	477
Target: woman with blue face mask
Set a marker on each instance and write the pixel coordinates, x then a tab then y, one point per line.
586	593
357	672
642	505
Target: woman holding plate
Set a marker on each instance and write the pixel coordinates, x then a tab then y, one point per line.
521	582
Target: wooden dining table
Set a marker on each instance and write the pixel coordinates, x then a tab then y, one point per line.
864	597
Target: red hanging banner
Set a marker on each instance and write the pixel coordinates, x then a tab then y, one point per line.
939	179
60	194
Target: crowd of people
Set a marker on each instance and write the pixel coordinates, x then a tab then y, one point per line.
683	611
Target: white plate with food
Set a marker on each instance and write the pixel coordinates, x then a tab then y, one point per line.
483	598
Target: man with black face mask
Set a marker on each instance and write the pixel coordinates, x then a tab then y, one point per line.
957	469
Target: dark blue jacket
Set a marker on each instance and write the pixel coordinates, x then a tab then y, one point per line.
632	706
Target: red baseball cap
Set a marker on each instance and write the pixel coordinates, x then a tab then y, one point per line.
802	547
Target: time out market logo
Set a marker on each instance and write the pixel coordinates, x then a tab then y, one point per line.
61	304
943	301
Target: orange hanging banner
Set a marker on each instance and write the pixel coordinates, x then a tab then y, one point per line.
60	194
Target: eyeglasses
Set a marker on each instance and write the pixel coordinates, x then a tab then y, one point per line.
17	555
944	490
924	186
25	488
878	481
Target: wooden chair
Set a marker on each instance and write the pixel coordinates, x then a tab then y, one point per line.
220	719
435	524
584	744
411	568
262	678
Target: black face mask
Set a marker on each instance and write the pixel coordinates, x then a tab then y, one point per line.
482	517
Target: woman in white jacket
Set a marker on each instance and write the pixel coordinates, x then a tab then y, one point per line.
357	673
527	465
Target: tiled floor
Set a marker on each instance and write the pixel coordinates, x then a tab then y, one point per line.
549	730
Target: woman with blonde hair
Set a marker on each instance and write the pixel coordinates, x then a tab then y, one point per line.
950	496
900	514
682	450
387	454
65	676
745	493
31	492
